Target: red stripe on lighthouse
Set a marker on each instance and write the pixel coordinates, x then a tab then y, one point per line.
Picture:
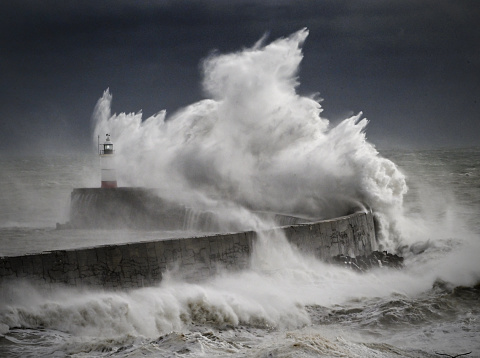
109	184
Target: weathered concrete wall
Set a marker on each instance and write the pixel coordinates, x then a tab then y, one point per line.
142	264
352	235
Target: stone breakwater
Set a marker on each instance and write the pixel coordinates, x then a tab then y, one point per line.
144	263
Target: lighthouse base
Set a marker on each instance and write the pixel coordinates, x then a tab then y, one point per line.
109	184
134	208
142	208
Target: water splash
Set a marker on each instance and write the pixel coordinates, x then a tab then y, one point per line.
257	143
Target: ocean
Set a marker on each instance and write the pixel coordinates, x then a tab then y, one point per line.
293	306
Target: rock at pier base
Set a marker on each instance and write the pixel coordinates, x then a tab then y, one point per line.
364	263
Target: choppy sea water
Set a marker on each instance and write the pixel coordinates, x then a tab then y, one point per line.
286	305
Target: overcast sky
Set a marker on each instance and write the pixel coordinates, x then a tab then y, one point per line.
412	67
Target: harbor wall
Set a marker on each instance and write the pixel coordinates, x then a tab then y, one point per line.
144	263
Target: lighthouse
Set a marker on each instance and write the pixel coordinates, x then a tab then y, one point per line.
107	163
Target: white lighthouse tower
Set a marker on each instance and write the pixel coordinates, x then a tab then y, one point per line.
107	163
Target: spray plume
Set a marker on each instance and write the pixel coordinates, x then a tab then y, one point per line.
257	144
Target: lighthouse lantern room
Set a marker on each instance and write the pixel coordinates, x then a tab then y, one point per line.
107	163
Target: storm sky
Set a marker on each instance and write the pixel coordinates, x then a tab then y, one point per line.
411	67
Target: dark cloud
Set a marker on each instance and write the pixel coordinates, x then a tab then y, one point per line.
411	67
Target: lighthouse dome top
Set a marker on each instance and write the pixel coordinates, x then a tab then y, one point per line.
107	146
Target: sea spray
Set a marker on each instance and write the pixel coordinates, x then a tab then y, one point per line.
257	144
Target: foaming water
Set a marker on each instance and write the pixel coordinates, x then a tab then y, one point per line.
283	291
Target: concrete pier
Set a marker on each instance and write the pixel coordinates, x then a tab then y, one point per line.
144	263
